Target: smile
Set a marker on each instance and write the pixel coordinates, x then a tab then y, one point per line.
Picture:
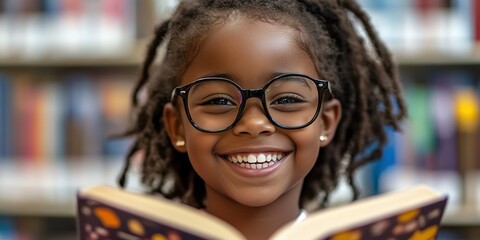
255	160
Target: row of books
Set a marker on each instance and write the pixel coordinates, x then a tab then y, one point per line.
46	116
444	113
413	26
440	139
59	28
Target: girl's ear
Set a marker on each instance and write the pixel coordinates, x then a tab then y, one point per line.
330	115
174	126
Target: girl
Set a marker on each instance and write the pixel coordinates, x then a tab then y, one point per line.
257	105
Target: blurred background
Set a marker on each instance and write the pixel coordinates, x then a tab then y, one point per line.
67	67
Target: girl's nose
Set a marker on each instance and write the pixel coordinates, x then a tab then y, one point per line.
253	121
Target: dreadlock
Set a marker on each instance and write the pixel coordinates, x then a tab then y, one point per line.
365	82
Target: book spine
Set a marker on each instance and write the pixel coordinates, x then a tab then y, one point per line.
7	228
467	116
420	124
114	107
476	20
442	106
5	117
82	122
23	121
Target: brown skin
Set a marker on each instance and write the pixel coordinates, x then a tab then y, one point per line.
250	52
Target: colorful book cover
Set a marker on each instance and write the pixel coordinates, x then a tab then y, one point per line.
422	223
97	220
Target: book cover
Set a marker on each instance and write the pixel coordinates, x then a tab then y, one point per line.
102	221
422	223
105	212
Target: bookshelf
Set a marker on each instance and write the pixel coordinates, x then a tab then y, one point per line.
438	59
62	92
436	45
38	187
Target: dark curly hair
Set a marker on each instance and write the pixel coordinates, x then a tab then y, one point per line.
363	76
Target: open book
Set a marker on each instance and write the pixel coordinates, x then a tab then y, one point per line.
106	212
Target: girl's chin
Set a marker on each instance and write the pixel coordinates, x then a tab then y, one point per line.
257	201
258	196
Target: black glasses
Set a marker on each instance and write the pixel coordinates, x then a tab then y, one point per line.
216	104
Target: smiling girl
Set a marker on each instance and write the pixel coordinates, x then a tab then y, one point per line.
257	105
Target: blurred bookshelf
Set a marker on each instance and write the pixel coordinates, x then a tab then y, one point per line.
66	72
60	97
436	45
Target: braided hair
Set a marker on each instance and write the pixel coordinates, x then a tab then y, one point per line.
364	79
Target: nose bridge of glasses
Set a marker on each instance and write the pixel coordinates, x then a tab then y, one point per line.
253	93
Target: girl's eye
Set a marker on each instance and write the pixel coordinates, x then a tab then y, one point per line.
217	101
287	100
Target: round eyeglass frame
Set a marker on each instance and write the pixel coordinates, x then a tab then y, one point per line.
182	91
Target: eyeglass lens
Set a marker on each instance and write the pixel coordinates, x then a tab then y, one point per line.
290	101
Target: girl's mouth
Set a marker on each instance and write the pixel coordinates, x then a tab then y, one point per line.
255	160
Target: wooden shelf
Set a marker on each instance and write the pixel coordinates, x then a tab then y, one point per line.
135	59
463	216
132	57
437	60
39	206
49	190
93	62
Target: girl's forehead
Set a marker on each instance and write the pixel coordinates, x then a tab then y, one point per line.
246	49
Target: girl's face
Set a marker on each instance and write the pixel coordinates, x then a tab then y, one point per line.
250	52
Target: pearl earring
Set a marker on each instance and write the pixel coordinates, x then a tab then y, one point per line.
180	143
323	138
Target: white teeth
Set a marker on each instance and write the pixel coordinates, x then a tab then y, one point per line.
251	158
261	158
256	161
